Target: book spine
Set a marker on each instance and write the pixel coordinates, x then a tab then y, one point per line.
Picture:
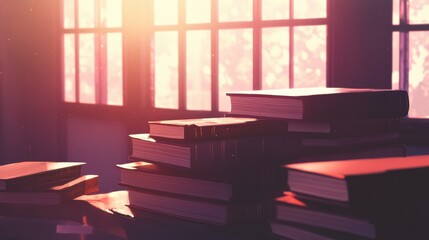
228	156
43	179
393	104
85	187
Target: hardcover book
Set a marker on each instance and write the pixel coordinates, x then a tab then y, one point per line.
200	210
36	174
363	181
289	230
320	104
214	128
217	155
361	140
54	195
345	128
264	182
329	217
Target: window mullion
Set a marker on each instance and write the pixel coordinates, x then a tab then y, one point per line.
291	46
182	55
257	45
404	46
214	55
76	48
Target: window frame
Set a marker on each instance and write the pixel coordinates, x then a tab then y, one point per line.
414	130
214	26
100	33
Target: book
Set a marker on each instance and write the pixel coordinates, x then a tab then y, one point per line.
200	210
139	222
289	230
342	153
54	195
320	104
198	129
263	182
217	155
307	213
370	181
36	174
344	128
361	140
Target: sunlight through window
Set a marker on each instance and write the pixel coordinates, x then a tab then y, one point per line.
92	52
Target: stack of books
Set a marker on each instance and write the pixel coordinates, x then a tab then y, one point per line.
378	198
332	122
227	170
44	182
221	171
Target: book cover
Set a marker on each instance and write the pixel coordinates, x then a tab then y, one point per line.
344	128
342	153
373	181
260	183
320	104
200	210
350	141
368	223
289	230
54	195
36	174
217	155
198	129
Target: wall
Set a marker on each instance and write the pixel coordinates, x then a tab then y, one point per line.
29	75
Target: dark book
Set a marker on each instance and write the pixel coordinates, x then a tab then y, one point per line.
143	224
218	213
320	104
330	217
37	174
371	181
261	183
289	230
342	153
344	128
360	140
54	195
217	155
198	129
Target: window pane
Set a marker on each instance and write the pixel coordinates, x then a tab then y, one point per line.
310	9
419	74
165	12
114	69
69	68
235	10
86	68
68	13
166	70
275	58
275	9
310	56
235	63
198	70
419	11
198	11
395	16
112	14
86	13
395	60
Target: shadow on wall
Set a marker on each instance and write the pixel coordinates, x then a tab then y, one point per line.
102	145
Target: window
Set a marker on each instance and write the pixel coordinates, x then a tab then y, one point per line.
202	49
92	52
411	53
